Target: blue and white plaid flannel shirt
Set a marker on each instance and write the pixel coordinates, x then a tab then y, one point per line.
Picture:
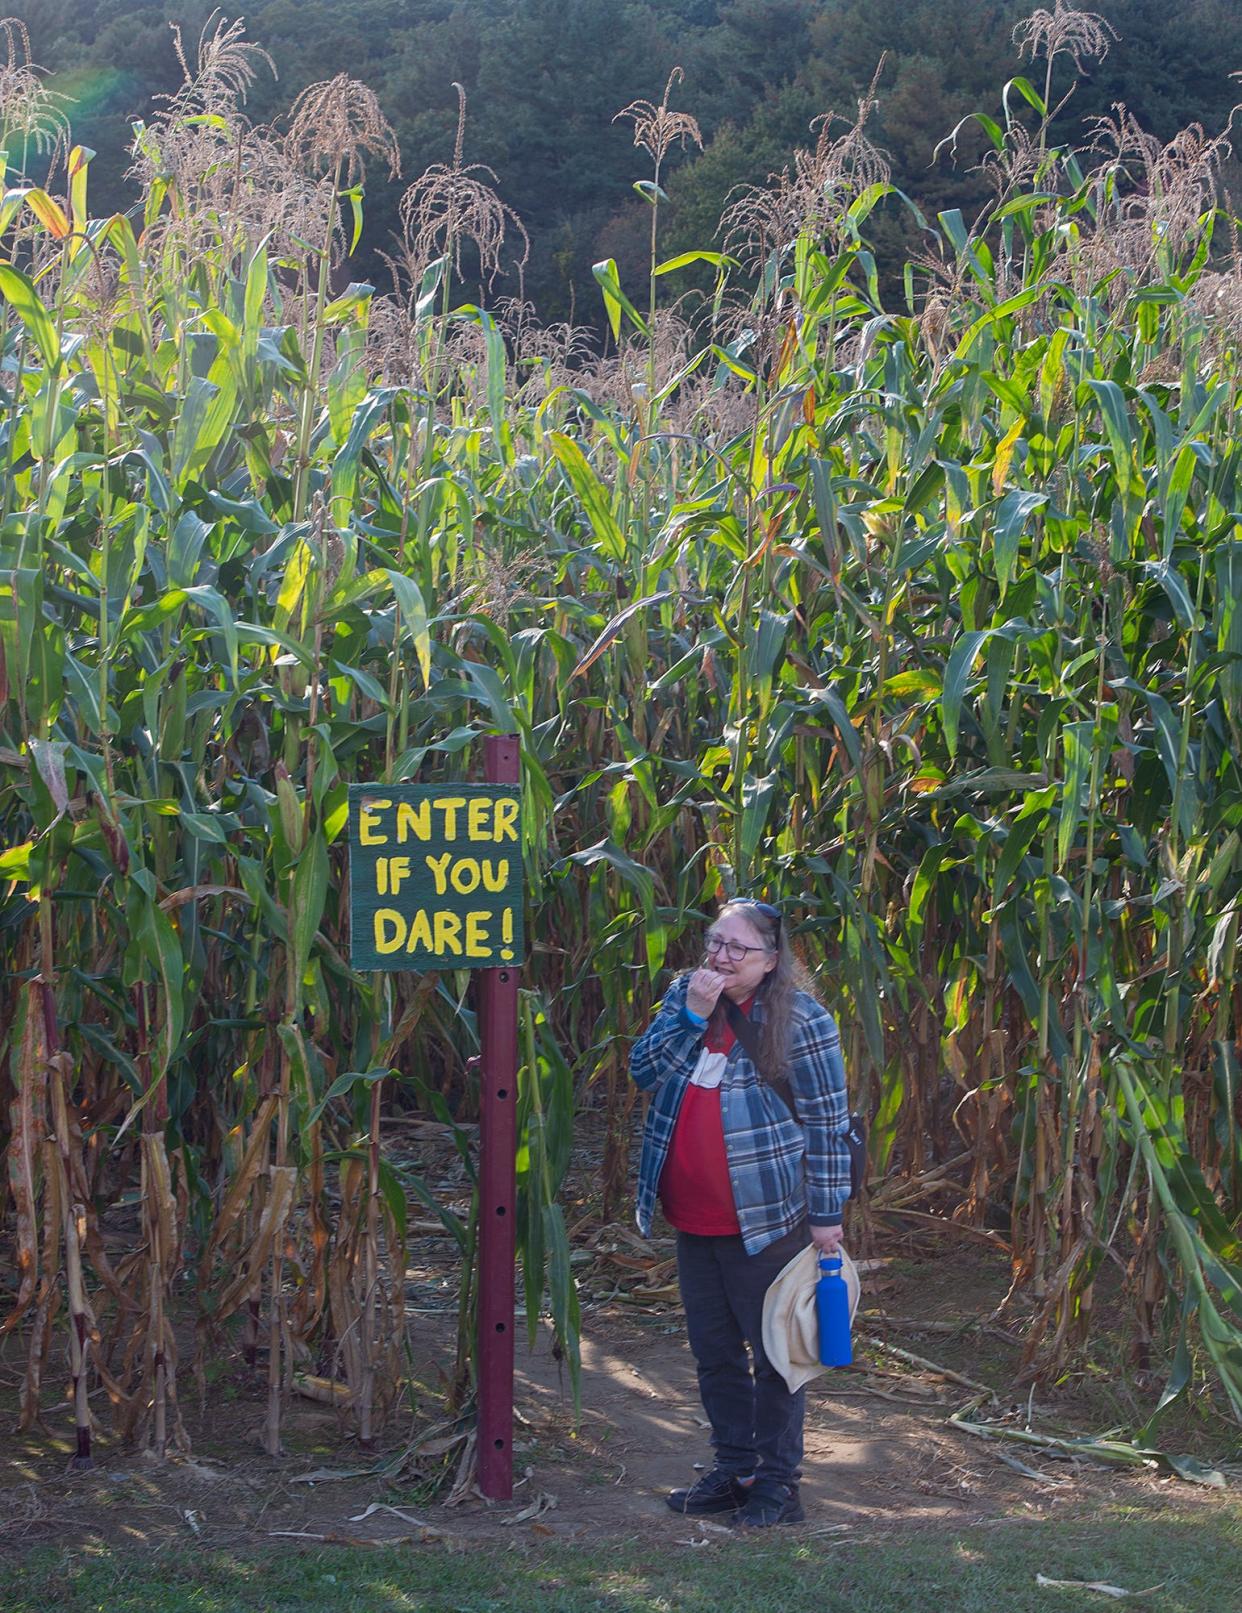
781	1170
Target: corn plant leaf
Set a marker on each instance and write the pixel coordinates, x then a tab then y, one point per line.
1017	844
1182	787
562	1292
15	861
350	1082
614	627
1174	586
956	680
1012	515
683	260
1002	310
49	213
19	292
76	166
758	794
616	302
591	493
49	759
310	892
214	602
1099	1586
1078	740
202	421
161	950
1194	1470
634	874
487	687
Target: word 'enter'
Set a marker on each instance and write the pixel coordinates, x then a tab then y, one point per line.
481	819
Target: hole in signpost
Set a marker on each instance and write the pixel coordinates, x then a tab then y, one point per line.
504	974
500	1327
499	1444
503	1093
500	1209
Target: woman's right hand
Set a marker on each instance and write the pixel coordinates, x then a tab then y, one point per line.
703	992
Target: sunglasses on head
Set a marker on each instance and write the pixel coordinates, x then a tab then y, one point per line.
766	908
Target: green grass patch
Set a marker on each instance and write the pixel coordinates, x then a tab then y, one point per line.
1193	1557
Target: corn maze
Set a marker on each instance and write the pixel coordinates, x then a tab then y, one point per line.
912	602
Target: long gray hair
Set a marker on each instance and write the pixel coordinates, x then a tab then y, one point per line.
776	993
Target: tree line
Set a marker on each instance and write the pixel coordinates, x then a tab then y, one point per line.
544	79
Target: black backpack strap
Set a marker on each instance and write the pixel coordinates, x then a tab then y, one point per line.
856	1138
744	1029
856	1142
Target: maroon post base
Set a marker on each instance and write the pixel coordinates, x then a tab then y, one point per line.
498	1001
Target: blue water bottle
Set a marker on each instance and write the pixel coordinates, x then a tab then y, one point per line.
832	1302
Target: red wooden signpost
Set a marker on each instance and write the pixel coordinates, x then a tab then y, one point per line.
436	882
498	998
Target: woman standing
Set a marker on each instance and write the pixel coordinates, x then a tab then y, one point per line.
746	1183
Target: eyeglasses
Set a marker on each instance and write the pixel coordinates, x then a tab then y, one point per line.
735	951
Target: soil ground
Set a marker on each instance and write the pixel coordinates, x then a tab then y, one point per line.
881	1452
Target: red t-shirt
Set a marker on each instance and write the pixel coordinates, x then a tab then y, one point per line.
694	1185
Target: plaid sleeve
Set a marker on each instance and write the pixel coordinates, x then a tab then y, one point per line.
668	1045
817	1075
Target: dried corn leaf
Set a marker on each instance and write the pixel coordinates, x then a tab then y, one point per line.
1097	1585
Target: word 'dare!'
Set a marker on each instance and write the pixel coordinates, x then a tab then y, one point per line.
435	876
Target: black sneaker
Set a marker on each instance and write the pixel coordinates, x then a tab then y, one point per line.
716	1491
767	1504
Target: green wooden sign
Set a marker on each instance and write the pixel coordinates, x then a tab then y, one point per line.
435	876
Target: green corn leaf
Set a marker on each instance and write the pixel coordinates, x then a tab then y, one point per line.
956	680
758	796
19	292
392	1192
1002	310
1017	843
632	873
1012	515
1182	787
1174	586
616	302
487	687
1029	94
683	260
591	493
162	951
310	892
351	1081
1116	418
839	712
1228	579
563	1293
1078	740
205	415
413	619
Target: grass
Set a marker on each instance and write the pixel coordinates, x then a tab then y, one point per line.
1193	1557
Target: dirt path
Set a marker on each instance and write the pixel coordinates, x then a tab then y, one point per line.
880	1454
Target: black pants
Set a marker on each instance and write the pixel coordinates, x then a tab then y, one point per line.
756	1423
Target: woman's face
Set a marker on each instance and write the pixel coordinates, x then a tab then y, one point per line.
742	975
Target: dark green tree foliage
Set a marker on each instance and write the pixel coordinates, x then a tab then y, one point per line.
544	79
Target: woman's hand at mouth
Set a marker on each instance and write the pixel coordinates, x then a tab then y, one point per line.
704	992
